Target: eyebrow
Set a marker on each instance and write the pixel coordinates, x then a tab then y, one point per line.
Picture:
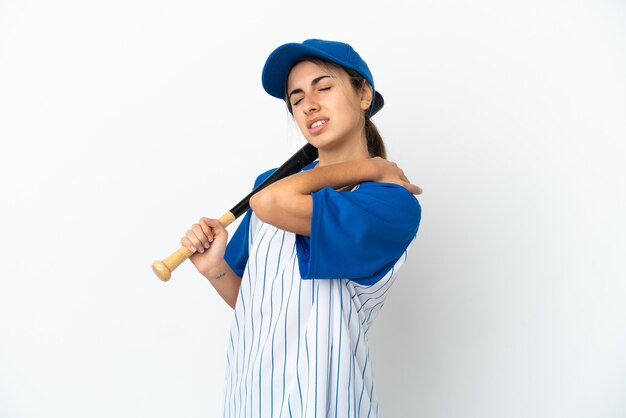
314	82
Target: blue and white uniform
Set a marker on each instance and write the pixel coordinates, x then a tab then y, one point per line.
298	343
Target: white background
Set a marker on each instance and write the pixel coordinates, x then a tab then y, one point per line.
122	122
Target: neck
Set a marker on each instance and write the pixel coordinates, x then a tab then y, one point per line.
346	151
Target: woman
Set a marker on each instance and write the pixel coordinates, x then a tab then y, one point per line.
310	264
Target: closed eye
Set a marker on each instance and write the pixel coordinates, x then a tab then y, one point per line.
319	89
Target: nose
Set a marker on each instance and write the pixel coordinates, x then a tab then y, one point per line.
310	106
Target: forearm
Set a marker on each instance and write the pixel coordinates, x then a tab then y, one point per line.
225	281
288	205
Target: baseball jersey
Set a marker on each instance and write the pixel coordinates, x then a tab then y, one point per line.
298	342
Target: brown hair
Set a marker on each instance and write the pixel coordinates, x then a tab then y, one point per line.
375	144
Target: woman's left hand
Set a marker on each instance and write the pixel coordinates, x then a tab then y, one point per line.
389	172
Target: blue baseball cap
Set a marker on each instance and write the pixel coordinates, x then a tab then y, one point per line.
283	58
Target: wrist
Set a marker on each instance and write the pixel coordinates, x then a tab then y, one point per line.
215	271
371	172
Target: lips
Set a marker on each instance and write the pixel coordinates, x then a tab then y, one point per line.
316	124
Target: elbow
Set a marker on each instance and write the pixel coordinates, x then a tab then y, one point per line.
290	213
261	204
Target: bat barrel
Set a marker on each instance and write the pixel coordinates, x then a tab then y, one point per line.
305	156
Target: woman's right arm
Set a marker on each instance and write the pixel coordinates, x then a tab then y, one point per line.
287	204
208	239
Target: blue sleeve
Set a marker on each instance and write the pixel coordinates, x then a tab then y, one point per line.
236	254
358	235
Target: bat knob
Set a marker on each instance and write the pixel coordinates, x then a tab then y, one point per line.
161	270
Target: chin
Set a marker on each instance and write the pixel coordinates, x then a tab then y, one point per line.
322	145
322	142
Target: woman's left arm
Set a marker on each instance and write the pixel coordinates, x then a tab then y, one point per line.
288	205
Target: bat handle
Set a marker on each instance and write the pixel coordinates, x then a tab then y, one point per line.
163	268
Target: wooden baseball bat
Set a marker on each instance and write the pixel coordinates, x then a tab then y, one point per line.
303	157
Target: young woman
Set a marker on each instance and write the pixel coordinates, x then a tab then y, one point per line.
310	264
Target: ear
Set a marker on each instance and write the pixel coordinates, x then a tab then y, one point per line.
366	95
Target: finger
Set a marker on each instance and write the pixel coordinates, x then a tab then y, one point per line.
187	243
215	225
204	241
194	244
206	228
415	189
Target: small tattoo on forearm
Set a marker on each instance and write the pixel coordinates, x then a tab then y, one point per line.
219	276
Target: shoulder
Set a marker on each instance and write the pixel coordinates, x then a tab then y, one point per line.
370	206
399	201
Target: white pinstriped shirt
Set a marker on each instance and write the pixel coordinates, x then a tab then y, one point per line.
299	348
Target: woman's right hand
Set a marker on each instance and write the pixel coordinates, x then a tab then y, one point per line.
207	239
389	172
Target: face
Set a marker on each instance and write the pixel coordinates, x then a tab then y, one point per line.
326	107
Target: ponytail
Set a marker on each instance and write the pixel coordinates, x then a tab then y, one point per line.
375	144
